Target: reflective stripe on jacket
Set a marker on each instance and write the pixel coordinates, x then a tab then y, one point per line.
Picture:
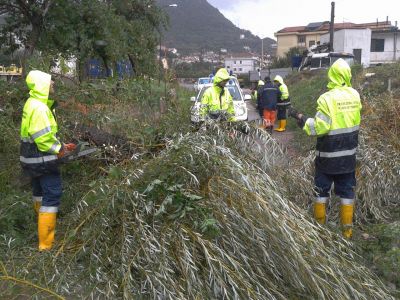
39	143
336	123
215	99
284	99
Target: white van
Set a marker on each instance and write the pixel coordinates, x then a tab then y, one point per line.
325	60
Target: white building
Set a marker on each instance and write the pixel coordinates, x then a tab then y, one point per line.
241	64
369	47
385	46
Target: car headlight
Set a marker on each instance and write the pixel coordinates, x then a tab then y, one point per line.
240	111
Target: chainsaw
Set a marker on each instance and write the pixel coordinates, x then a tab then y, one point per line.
80	151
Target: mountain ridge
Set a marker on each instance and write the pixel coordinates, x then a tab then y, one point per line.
197	26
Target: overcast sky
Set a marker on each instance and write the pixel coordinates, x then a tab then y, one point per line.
264	17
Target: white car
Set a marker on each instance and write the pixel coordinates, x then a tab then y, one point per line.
201	82
239	102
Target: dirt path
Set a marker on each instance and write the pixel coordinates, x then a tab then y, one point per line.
285	140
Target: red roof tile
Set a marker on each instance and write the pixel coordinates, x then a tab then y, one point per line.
292	29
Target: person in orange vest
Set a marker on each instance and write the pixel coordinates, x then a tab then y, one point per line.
266	103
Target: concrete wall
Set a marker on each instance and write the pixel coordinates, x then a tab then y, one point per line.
312	37
359	39
285	42
346	40
338	41
240	65
389	54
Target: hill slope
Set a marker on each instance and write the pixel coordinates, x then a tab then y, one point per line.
196	25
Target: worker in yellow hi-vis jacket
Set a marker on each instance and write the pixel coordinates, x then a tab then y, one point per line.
39	154
336	125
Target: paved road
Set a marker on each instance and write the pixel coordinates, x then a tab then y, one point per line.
283	138
252	112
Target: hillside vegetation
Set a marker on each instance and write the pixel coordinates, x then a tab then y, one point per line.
196	26
168	211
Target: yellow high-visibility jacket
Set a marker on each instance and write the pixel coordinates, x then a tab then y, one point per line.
336	123
39	142
284	99
216	100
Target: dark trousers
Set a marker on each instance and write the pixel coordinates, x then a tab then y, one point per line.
344	184
282	112
49	187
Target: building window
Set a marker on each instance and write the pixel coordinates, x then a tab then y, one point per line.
240	69
234	62
311	43
240	62
377	45
234	69
228	67
301	39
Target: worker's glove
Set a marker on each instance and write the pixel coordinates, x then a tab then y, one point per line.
300	118
293	113
301	121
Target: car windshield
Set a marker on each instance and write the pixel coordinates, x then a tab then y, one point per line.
234	91
232	88
315	62
204	80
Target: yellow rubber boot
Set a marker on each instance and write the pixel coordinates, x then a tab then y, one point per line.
37	203
282	126
320	212
279	126
46	230
346	219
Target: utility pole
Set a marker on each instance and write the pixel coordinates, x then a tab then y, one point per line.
159	58
332	27
262	54
395	42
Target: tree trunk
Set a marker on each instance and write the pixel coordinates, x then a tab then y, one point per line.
30	46
132	61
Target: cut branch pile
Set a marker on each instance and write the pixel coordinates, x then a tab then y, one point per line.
203	220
